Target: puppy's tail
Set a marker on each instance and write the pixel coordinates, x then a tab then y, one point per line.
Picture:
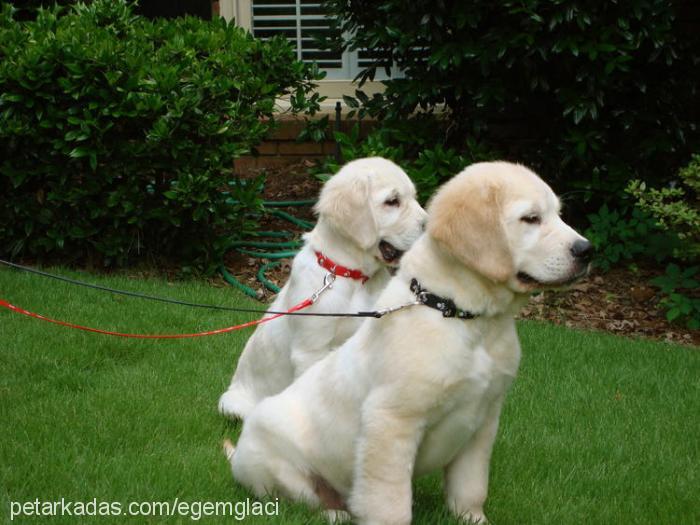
229	450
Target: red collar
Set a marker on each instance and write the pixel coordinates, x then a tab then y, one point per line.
338	270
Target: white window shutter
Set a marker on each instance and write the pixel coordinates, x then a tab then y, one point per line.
299	21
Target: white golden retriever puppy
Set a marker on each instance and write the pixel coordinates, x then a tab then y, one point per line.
421	389
367	217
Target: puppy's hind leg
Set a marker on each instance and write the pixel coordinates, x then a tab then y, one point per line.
248	468
336	509
236	403
267	474
298	485
315	492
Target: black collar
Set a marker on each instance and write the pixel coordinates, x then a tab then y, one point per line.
444	305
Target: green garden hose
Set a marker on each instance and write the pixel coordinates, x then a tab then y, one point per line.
264	280
291	218
278	250
263	244
278	234
230	279
288	204
269	255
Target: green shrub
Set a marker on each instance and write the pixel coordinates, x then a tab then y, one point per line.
681	294
677	208
27	9
627	234
378	143
118	134
590	94
436	165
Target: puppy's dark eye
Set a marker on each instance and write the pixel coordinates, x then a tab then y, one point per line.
393	201
531	219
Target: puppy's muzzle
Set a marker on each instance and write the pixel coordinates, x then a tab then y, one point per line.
390	253
582	251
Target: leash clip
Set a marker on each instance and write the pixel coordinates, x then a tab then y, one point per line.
392	309
328	281
421	297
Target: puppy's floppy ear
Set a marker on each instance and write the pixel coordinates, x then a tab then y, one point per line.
465	219
345	203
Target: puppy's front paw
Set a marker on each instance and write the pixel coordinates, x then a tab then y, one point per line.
474	517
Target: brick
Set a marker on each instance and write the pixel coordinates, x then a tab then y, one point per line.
268	147
276	162
347	125
287	130
245	164
329	148
300	148
366	126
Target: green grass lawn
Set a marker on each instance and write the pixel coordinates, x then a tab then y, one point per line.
596	429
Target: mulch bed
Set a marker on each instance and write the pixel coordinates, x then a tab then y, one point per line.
291	183
620	301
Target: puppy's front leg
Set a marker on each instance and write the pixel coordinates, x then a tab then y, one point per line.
467	476
305	356
308	349
385	455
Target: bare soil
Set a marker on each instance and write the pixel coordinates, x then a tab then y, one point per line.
620	301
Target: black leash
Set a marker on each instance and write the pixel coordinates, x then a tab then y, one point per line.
28	269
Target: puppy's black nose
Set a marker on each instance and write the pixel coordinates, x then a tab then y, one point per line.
582	249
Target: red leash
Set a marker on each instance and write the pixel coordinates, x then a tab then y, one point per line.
304	304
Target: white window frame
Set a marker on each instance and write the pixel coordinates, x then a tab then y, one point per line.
333	88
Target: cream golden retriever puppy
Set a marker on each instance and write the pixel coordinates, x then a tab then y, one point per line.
367	217
421	389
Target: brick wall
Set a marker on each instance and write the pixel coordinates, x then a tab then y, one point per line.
281	148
